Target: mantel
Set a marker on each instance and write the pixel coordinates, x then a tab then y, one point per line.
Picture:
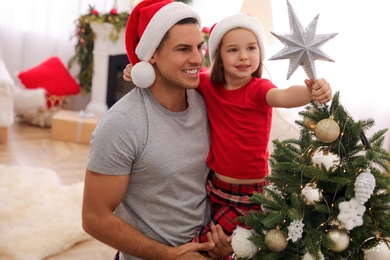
104	46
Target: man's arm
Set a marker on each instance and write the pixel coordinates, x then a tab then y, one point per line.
102	195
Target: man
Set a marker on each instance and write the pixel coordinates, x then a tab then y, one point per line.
147	159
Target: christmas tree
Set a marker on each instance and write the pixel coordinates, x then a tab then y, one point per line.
328	195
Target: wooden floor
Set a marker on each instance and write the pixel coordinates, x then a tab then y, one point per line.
32	146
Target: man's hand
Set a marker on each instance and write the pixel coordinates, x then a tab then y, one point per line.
188	251
222	248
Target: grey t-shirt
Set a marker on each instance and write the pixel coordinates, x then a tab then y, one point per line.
165	154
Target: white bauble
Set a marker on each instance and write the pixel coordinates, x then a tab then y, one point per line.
311	194
308	256
241	245
324	156
379	252
340	238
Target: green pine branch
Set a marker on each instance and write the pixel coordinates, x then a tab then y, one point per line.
292	168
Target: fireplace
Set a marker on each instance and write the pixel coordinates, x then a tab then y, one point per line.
109	60
117	87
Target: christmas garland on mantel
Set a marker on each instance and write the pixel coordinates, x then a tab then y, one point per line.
85	42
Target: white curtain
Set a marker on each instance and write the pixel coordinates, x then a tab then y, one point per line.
32	31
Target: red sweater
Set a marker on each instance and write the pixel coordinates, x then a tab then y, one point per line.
240	124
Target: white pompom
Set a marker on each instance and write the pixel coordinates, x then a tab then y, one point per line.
242	246
364	186
143	75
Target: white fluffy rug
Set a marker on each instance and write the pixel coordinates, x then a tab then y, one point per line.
39	216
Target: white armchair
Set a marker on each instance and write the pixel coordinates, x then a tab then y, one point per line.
7	87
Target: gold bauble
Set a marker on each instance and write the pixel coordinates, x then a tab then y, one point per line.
275	240
340	238
308	123
327	130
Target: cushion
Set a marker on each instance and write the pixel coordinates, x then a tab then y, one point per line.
52	76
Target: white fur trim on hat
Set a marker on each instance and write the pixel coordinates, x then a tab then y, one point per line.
233	22
142	74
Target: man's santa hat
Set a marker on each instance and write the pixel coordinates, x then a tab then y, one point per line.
232	22
148	23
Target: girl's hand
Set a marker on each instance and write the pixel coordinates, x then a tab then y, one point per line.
320	90
127	73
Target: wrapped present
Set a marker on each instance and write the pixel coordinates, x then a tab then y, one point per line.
73	126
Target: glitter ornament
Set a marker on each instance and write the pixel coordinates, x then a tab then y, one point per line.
275	240
242	246
340	238
311	194
322	156
327	130
308	122
364	186
379	252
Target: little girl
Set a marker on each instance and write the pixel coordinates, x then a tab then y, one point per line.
239	106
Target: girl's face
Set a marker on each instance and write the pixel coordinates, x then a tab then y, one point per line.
240	54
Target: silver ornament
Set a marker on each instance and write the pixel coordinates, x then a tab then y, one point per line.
364	186
302	47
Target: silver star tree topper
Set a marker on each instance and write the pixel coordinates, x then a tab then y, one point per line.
302	46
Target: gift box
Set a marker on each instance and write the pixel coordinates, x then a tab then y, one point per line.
73	126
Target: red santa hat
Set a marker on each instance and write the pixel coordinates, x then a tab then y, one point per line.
232	22
148	23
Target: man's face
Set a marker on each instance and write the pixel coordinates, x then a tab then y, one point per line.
180	57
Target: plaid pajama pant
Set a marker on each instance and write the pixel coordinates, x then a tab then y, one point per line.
229	201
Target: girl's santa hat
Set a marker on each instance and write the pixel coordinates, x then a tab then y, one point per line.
148	23
232	22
